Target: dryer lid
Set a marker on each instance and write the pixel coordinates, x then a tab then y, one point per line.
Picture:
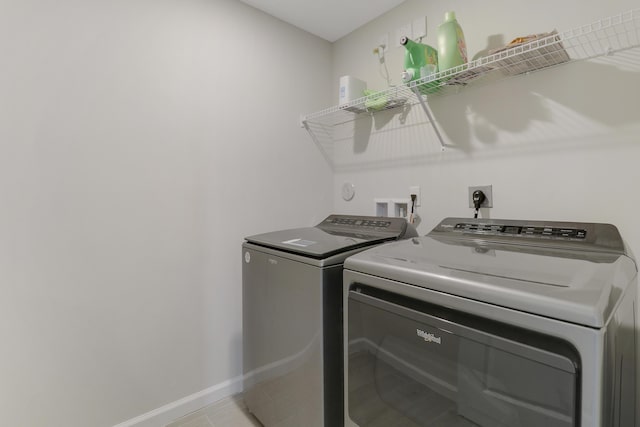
554	278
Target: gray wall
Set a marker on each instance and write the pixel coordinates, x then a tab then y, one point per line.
140	141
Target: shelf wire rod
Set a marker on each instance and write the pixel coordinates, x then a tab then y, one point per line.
429	114
319	144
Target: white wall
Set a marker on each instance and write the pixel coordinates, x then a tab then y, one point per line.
139	142
561	144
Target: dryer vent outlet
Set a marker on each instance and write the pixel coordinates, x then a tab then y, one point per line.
486	189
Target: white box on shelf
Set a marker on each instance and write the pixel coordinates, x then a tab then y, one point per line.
351	89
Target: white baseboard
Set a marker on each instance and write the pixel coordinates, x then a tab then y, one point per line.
170	412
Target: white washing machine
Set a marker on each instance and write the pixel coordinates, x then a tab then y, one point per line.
493	323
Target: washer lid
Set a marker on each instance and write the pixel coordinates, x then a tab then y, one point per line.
564	283
336	234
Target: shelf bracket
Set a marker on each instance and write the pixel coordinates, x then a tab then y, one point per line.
305	124
429	114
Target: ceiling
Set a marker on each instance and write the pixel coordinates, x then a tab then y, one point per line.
328	19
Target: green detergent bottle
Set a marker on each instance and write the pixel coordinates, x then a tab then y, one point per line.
420	60
452	49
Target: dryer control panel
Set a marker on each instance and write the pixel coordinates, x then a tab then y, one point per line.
578	235
528	231
393	227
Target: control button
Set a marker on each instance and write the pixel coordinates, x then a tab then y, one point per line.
566	232
534	231
509	229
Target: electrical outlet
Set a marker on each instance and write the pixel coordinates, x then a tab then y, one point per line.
486	189
415	190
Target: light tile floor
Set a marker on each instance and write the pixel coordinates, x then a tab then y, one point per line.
229	412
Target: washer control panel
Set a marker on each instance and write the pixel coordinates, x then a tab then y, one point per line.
355	223
358	222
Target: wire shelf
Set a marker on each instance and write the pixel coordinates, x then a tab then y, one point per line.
602	38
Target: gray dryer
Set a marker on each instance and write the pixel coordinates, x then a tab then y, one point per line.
493	323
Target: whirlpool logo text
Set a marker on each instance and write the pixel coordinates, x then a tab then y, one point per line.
428	337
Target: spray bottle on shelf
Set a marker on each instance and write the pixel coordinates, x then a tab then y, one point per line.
420	61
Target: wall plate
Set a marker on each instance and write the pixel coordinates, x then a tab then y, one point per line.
419	28
487	190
